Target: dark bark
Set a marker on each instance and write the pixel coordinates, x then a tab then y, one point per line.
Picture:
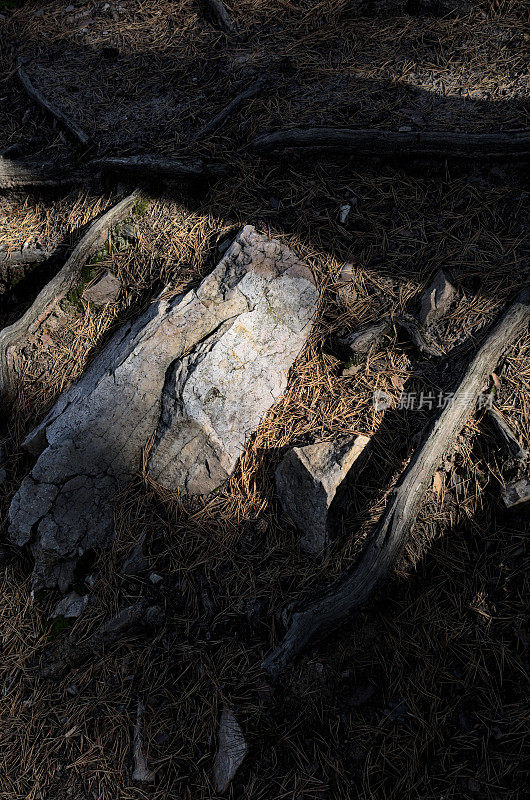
397	143
218	13
233	105
72	127
30	172
154	166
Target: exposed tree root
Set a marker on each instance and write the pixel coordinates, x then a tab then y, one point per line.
327	610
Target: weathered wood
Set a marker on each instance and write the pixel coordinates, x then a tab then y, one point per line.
155	166
12	337
505	434
219	14
72	127
418	335
326	611
375	142
26	255
30	172
233	105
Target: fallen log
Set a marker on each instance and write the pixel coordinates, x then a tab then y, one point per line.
155	166
72	127
233	105
195	374
325	612
218	12
30	172
375	142
17	334
26	255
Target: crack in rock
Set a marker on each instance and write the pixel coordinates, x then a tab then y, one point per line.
200	370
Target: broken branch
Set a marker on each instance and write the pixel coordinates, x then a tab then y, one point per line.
154	166
397	143
505	434
216	122
331	607
12	336
29	172
71	126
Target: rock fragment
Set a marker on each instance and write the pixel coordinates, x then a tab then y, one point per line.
105	290
307	480
140	772
346	291
436	299
71	606
368	338
231	751
200	370
517	493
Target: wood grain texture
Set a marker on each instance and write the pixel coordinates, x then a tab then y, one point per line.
375	142
335	604
12	337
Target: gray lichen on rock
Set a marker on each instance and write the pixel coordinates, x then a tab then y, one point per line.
258	303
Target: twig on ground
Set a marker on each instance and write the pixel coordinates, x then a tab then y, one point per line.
233	105
71	126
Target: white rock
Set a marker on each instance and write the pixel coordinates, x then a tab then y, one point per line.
344	213
307	480
231	751
241	330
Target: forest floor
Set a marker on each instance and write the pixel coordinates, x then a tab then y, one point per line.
425	694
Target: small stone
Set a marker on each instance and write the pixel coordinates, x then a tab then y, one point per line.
307	480
404	129
69	9
71	606
436	299
346	291
72	690
516	493
130	232
344	213
155	578
231	751
105	290
135	563
368	338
